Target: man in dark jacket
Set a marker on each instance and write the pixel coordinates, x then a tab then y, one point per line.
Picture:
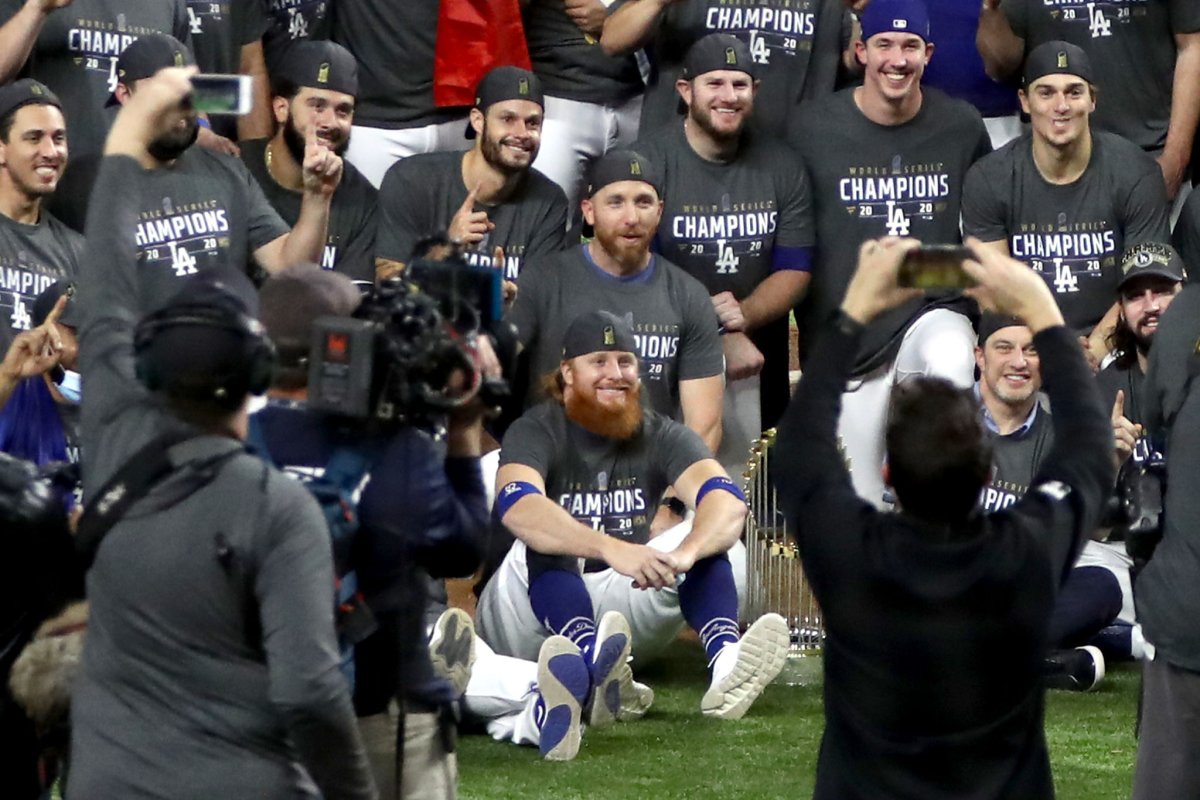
937	617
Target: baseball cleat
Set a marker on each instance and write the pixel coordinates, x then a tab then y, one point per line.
611	675
452	648
563	681
741	671
635	704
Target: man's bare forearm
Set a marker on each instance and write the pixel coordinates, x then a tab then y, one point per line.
1001	49
774	297
17	38
306	241
631	26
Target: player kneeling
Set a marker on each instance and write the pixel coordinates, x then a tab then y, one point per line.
579	481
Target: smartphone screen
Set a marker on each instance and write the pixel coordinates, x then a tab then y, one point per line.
936	266
221	94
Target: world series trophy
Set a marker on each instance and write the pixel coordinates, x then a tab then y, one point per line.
775	580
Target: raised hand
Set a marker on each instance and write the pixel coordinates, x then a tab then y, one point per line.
34	352
322	166
1125	433
469	226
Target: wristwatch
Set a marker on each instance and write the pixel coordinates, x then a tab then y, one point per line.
677	506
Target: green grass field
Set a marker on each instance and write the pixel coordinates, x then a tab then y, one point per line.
771	753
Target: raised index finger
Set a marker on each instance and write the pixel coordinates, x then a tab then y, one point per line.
56	312
1119	405
469	204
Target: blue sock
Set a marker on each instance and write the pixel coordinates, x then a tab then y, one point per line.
560	600
708	599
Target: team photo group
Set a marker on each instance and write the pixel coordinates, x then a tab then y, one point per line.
390	382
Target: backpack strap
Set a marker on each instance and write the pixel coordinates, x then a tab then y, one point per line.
143	471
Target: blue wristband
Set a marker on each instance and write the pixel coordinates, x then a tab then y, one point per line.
508	496
203	123
722	483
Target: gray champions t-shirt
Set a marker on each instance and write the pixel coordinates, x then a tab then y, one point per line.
204	211
31	258
1015	460
421	194
1073	235
1132	48
219	30
870	180
572	64
796	45
670	312
353	214
76	56
722	221
613	486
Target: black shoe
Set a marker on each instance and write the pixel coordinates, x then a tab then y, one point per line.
1078	670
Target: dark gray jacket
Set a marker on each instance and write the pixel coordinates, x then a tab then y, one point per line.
211	666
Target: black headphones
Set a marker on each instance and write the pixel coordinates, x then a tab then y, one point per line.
257	358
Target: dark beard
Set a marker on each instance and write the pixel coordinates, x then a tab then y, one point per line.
172	145
492	154
703	120
295	142
583	410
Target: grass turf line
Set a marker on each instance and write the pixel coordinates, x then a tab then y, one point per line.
677	753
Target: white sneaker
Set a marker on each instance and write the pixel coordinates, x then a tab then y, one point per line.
635	704
452	648
741	671
612	679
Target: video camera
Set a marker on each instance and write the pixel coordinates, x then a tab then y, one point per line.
1135	509
404	355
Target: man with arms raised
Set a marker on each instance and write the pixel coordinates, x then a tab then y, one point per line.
489	199
1063	198
35	248
579	478
737	217
888	159
938	616
315	88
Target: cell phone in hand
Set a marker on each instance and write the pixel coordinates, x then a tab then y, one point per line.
936	267
216	95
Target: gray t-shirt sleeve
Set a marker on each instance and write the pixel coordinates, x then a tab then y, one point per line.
797	226
700	352
677	447
983	212
1185	16
182	27
550	233
404	213
529	442
293	583
1147	212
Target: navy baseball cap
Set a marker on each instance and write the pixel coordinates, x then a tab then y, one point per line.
1057	58
717	51
597	331
320	65
506	83
25	92
147	55
624	165
1152	258
895	16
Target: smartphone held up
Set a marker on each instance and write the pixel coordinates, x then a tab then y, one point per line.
216	95
936	267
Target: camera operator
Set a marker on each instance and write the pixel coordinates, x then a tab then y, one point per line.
1167	597
422	513
938	617
211	664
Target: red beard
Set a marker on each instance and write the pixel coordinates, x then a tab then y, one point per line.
612	422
